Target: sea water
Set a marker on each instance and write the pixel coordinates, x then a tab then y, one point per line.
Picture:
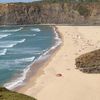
19	47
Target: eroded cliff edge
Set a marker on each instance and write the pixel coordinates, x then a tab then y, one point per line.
52	13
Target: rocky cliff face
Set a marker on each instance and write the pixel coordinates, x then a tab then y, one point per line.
44	13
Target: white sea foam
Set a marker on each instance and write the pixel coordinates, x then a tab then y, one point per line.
35	29
45	54
57	43
3	52
3	35
19	81
57	38
10	44
25	59
12	30
21	41
7	46
28	35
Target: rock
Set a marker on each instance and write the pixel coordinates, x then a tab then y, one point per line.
89	62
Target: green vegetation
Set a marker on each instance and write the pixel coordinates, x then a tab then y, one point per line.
83	11
72	0
9	95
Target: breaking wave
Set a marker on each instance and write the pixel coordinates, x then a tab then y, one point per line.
25	59
10	44
3	52
35	29
19	81
3	35
13	30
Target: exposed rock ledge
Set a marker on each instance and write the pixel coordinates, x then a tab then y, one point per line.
89	62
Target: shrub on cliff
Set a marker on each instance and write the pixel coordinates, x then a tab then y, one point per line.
83	11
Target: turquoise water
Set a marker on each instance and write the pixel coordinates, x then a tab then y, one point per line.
19	47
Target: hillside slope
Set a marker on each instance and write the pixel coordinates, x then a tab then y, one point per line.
9	95
53	13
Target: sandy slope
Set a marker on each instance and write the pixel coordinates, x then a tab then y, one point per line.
73	84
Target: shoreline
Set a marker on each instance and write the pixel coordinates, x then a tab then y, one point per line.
71	84
36	68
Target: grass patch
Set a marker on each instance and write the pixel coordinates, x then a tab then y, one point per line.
6	94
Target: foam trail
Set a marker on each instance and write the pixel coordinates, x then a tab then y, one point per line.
19	81
21	41
35	29
57	38
46	52
3	52
7	46
25	59
13	30
11	43
28	35
3	35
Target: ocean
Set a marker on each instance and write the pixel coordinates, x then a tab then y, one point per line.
20	46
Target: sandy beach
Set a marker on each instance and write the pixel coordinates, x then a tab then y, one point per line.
60	80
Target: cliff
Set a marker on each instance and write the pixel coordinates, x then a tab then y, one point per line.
89	62
53	13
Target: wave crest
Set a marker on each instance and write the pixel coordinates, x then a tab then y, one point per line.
21	41
10	44
19	81
3	52
4	35
35	29
13	30
25	59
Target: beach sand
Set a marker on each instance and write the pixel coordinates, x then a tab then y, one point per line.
60	80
